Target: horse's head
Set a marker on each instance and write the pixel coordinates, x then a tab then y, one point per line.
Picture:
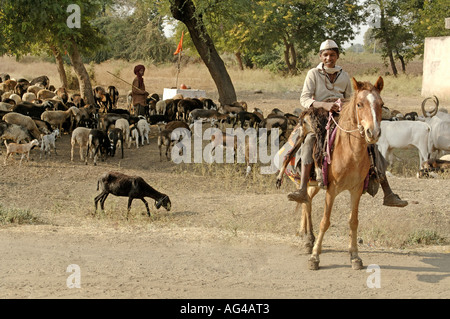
368	103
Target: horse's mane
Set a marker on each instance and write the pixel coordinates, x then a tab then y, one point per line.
348	109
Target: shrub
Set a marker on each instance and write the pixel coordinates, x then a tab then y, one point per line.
16	216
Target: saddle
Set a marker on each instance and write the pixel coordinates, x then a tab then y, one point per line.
323	124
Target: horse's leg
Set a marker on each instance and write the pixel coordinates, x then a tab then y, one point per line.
324	224
353	223
306	226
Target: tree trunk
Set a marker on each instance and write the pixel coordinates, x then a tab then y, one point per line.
60	66
290	57
387	40
184	11
402	61
392	61
239	59
82	75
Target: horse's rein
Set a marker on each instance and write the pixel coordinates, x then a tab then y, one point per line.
359	129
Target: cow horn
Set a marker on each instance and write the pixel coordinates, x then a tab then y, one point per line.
434	111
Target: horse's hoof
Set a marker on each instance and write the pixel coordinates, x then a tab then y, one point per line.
313	263
357	264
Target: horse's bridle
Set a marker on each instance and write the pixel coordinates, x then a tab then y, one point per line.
359	128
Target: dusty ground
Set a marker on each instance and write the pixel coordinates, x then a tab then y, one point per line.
222	239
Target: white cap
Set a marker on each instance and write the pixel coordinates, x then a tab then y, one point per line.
328	44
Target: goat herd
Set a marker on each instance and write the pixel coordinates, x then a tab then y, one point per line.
35	113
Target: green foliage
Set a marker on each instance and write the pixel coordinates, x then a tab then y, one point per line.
39	24
136	36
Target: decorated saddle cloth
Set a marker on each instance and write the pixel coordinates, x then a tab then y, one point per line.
325	134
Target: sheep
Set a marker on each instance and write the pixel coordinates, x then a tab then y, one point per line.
164	139
115	136
57	118
62	94
5	106
30	109
24	149
108	119
99	142
21	87
252	118
144	129
134	135
77	100
124	125
16	98
160	107
132	187
176	124
43	126
34	89
45	94
114	95
42	80
14	133
49	141
10	85
80	136
29	97
23	120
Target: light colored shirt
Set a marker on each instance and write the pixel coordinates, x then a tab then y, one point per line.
314	88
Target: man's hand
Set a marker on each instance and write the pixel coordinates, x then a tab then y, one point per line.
329	106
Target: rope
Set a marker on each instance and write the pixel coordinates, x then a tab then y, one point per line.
360	127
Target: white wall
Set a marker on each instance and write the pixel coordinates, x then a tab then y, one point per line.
436	68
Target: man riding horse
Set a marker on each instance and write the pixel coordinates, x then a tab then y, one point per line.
324	83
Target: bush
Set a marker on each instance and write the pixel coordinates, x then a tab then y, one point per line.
425	237
16	216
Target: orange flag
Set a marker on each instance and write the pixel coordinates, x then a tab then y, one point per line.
180	45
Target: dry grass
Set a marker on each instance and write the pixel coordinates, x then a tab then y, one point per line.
251	204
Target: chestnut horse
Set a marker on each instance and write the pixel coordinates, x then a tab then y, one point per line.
358	126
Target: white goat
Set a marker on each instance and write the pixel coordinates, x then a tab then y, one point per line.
134	135
24	149
24	121
124	125
144	129
57	118
49	141
80	135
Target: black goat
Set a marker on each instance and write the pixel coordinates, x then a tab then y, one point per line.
253	119
155	119
129	186
115	135
99	142
114	96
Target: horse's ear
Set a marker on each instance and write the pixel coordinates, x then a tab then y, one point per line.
356	85
379	84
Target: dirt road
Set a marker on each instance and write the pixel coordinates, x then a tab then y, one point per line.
224	237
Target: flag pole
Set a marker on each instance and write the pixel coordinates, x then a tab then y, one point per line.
178	69
178	51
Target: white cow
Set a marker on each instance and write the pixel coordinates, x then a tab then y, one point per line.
403	134
440	133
